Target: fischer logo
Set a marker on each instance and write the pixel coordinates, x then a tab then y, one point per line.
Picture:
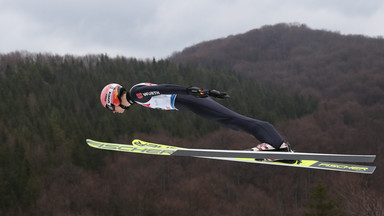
341	166
139	95
135	149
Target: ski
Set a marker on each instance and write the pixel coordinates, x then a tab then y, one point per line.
143	147
229	153
311	164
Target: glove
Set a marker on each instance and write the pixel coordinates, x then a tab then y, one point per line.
203	93
197	92
217	94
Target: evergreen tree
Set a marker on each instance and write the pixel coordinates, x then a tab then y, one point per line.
51	105
320	204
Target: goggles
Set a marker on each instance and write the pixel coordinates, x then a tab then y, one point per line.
111	107
114	97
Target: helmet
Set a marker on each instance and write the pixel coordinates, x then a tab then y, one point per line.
110	96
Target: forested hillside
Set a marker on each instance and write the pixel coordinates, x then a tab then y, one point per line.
322	90
345	72
51	105
296	57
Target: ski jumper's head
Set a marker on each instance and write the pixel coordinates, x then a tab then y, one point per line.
110	96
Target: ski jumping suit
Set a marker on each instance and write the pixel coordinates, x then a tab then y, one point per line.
173	97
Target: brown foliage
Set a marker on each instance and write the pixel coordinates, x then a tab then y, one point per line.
344	72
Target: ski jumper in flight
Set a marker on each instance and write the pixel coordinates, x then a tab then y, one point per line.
173	97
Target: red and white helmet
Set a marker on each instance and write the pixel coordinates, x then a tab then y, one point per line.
110	96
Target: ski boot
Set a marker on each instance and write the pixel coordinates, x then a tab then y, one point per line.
285	147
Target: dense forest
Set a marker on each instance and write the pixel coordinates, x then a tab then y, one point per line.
322	90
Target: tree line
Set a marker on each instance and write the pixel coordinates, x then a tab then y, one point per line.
344	72
322	90
51	105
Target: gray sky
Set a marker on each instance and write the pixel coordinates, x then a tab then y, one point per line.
157	28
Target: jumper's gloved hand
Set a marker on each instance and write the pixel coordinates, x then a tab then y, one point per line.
217	94
202	93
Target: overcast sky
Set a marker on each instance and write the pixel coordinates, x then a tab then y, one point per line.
157	28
